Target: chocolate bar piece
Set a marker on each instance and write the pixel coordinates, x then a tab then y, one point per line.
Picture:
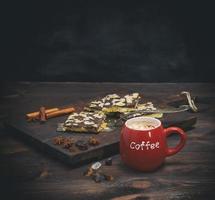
85	122
125	110
114	100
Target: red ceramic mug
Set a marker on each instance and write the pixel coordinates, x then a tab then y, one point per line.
143	144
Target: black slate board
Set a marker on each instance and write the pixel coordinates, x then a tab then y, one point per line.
41	135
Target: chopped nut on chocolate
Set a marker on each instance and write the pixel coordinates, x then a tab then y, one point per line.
93	141
58	140
82	145
108	161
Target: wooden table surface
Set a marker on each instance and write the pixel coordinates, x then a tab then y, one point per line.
26	173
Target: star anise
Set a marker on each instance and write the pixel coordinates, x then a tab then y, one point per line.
58	140
68	142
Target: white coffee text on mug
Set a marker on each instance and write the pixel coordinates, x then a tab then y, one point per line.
144	145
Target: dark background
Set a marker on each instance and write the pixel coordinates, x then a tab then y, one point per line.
140	41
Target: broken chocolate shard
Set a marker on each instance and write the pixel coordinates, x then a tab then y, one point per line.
113	100
85	122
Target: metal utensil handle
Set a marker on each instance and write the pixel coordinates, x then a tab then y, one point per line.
190	101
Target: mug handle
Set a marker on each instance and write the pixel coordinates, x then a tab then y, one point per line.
183	138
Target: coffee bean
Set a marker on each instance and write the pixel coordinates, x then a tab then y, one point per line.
97	177
108	177
93	141
88	172
82	145
108	161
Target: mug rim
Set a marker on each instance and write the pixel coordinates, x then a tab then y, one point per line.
143	117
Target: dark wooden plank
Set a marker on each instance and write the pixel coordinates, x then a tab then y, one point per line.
29	174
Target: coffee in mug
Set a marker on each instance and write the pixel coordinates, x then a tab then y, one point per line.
143	144
141	125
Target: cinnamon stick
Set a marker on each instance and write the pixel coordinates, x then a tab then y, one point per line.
42	114
35	115
61	112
